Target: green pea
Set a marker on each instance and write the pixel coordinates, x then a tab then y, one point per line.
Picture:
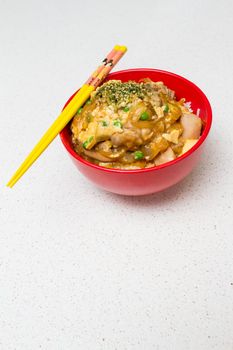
80	110
126	109
117	123
144	116
166	108
88	102
104	123
138	155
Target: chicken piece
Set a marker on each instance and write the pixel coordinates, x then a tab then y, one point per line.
104	147
129	138
146	134
188	145
192	126
165	157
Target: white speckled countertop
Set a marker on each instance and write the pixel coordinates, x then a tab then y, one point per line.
88	270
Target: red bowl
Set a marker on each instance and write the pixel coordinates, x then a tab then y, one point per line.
149	180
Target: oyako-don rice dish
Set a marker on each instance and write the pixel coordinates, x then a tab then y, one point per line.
134	125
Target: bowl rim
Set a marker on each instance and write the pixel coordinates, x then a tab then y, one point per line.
154	168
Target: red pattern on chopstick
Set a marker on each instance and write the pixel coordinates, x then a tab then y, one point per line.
102	71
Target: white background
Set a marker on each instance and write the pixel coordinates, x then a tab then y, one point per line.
89	270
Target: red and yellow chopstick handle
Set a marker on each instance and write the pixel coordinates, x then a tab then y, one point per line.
107	64
98	76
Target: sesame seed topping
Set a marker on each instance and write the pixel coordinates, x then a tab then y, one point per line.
115	92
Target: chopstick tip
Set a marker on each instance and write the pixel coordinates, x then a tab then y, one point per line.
10	184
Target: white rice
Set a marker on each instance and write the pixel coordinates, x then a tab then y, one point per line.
188	106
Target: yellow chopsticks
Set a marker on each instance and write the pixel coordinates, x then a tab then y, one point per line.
70	110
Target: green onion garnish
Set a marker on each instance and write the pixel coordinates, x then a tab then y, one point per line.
87	142
80	110
166	108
